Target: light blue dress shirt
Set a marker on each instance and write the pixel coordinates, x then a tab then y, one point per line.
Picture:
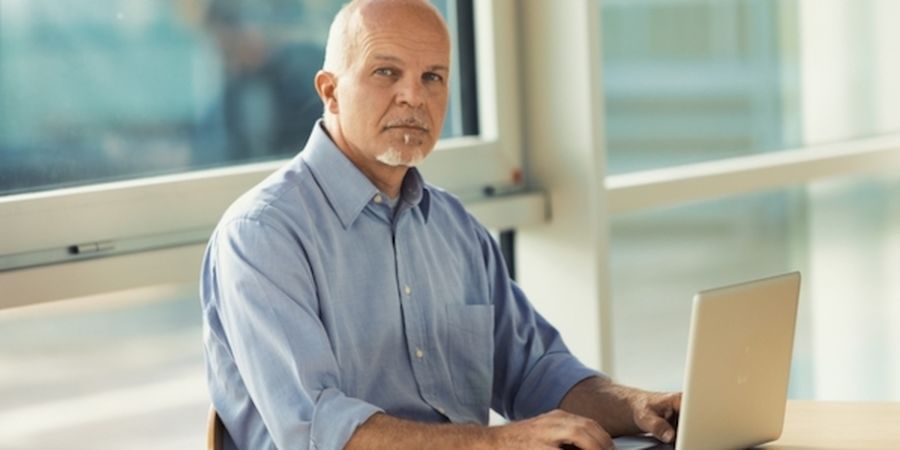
323	305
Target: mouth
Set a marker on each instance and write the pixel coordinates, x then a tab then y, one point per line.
407	125
406	128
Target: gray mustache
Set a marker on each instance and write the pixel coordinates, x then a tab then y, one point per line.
408	122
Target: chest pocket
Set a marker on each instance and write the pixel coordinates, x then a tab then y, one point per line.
470	335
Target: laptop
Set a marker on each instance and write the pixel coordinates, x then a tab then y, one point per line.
738	365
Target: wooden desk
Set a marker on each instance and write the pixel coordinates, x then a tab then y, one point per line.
810	425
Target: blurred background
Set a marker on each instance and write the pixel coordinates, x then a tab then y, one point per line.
94	92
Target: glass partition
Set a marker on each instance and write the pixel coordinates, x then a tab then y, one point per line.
842	235
698	80
100	91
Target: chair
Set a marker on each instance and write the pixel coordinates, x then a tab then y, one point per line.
215	431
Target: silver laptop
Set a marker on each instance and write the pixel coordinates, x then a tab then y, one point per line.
738	365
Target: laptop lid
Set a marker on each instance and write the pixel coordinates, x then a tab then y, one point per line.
738	364
737	368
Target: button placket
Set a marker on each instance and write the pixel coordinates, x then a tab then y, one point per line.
416	329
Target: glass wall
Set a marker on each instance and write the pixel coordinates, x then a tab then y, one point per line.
698	80
660	258
701	80
844	236
99	91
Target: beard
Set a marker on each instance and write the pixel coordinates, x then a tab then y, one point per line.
397	158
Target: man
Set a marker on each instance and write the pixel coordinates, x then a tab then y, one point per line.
350	305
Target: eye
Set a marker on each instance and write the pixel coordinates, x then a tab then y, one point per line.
432	77
385	72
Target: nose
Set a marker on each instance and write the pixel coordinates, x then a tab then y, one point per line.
411	92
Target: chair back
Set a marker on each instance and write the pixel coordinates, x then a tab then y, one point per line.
215	431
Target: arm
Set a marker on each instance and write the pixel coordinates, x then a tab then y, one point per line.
274	377
385	432
549	431
622	410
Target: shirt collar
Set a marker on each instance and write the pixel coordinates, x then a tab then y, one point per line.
347	189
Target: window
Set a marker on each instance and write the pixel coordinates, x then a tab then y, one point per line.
98	91
745	138
698	80
840	234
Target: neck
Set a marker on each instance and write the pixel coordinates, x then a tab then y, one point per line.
388	179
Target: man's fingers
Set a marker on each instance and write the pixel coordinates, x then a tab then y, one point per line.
584	433
588	438
676	402
660	416
585	442
658	427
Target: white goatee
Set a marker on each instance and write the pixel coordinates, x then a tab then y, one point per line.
396	158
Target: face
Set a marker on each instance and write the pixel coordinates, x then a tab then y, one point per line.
391	100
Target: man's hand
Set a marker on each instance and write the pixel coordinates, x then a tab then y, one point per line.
623	410
656	413
551	431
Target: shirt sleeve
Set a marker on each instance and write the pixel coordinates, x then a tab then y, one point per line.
262	288
533	368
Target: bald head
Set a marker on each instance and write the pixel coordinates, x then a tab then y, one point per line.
348	30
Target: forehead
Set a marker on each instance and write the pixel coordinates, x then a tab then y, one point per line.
406	33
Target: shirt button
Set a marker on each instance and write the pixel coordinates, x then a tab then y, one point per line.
407	290
378	199
419	353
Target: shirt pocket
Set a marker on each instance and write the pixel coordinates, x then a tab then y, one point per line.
470	340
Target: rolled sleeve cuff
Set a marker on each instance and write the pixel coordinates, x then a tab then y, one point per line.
547	384
336	418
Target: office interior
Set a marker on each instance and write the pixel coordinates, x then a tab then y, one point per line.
629	153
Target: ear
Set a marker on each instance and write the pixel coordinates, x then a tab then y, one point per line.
326	86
